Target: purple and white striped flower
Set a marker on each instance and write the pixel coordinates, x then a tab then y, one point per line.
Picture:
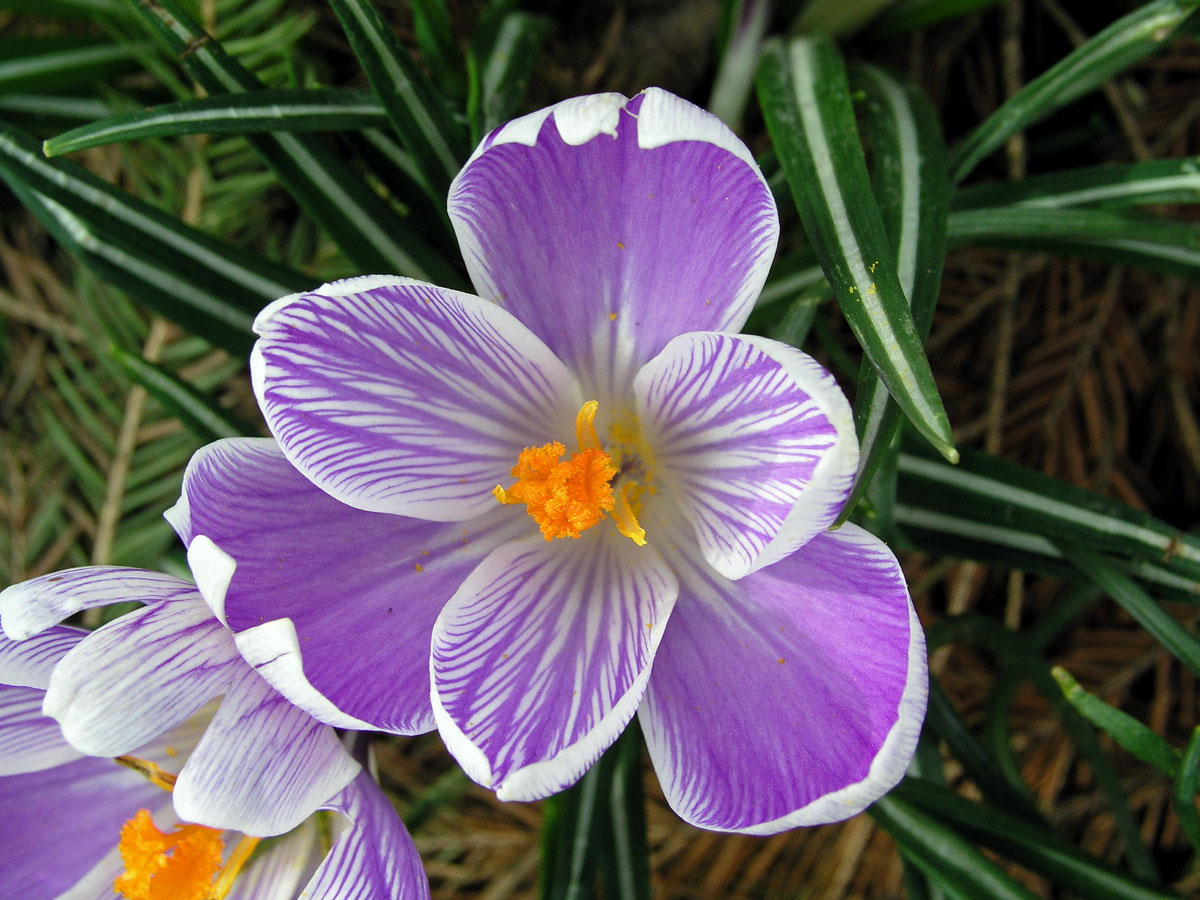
64	815
579	473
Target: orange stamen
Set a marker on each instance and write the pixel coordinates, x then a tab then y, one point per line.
565	498
175	866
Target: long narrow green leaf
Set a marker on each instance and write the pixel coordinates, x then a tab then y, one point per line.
1033	846
1123	728
993	491
909	15
504	52
253	111
209	287
806	100
368	230
912	185
199	412
426	128
58	63
1156	244
1135	601
940	851
1184	793
435	36
1112	50
1126	184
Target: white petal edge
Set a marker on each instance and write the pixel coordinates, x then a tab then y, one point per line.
578	120
273	649
213	569
664	119
889	764
339	288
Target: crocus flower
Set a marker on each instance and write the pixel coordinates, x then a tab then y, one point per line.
582	488
75	827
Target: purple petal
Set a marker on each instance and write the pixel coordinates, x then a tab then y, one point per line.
401	397
374	857
540	659
58	825
753	439
28	663
276	873
140	675
792	697
29	740
35	605
610	226
358	591
263	765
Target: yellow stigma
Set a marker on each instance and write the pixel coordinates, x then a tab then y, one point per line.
567	497
175	866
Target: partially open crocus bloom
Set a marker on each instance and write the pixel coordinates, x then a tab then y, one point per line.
583	487
75	827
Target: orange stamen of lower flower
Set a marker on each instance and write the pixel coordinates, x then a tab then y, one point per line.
179	865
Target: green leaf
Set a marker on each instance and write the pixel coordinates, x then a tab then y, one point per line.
199	412
1030	845
368	230
746	23
941	853
253	111
504	52
435	37
594	833
806	100
1123	728
1126	184
911	182
60	63
909	15
207	286
791	274
1112	50
1142	241
994	492
1184	793
1149	614
436	141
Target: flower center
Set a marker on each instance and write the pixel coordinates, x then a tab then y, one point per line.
176	865
567	497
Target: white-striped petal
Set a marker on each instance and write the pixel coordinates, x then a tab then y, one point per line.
752	438
29	741
407	398
140	675
541	657
35	605
263	765
29	662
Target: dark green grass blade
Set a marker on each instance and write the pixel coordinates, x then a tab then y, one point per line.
368	230
1033	846
1112	50
207	286
1135	601
436	141
253	111
1123	728
992	491
912	185
198	411
504	52
439	49
1149	243
806	100
1112	186
62	63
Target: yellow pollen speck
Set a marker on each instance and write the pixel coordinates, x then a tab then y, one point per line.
780	660
171	751
612	317
418	567
175	866
621	245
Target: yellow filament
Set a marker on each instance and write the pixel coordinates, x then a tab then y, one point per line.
152	771
238	858
585	426
624	516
